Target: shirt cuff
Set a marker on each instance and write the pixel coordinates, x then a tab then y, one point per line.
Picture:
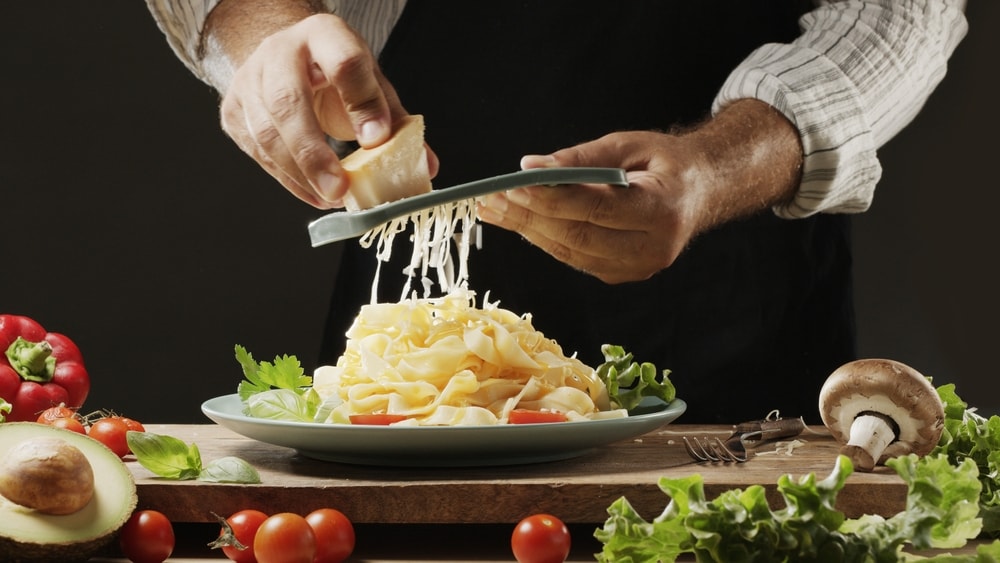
840	167
182	22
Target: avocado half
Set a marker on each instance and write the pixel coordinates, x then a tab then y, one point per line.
29	536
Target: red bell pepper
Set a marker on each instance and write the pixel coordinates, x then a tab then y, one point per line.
38	369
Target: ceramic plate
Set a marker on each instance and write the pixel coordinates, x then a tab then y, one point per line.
442	446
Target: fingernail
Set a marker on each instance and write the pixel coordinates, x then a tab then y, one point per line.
327	184
519	196
497	202
488	215
538	161
372	132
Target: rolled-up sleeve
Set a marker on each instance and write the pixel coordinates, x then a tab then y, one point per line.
182	22
856	76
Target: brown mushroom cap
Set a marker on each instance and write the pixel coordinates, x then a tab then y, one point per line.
891	389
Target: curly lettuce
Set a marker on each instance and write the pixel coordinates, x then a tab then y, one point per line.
970	436
629	381
739	525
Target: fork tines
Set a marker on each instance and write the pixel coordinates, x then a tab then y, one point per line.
712	449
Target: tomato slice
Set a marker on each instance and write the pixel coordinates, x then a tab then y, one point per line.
527	416
376	419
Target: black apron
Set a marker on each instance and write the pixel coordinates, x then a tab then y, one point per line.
752	317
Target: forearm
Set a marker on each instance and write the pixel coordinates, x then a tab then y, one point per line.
751	160
858	74
235	28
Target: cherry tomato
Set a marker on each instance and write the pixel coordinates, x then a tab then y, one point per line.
55	413
132	424
110	432
285	538
147	537
62	417
540	538
73	424
334	535
242	527
526	416
378	419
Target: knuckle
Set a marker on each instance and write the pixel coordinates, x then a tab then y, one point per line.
353	61
284	102
311	157
578	235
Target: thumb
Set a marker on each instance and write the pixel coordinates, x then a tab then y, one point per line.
608	151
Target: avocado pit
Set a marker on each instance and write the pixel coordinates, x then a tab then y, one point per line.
48	475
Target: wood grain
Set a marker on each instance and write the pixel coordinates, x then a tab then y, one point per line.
579	490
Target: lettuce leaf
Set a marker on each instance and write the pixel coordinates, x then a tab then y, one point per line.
629	381
970	436
282	404
739	525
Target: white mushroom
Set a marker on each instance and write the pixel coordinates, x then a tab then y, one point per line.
880	409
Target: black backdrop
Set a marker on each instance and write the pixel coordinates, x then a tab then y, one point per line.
129	222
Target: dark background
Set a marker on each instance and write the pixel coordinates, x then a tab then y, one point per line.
129	222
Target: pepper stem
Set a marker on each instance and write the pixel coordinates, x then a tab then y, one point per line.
33	361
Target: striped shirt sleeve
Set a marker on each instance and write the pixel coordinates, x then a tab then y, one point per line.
856	76
183	21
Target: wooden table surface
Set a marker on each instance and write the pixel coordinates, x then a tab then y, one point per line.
467	514
577	490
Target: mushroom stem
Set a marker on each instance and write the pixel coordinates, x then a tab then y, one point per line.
870	434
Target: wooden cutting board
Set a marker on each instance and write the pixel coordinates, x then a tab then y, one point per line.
578	490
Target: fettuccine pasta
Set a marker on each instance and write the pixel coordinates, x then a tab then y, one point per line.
442	361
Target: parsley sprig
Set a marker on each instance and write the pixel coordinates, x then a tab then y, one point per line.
285	372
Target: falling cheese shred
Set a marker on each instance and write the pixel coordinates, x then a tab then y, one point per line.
441	240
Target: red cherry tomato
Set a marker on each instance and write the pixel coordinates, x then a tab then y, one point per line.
540	538
132	424
285	538
62	417
55	413
111	432
380	419
526	416
147	537
243	526
334	535
73	424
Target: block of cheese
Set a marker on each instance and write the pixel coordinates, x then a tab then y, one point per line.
393	170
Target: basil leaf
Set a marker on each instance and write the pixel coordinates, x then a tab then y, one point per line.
230	469
165	456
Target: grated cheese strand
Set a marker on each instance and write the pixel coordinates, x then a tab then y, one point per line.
433	231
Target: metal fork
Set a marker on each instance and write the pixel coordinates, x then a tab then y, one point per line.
715	450
753	433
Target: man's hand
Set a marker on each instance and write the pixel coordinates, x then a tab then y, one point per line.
743	161
298	79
